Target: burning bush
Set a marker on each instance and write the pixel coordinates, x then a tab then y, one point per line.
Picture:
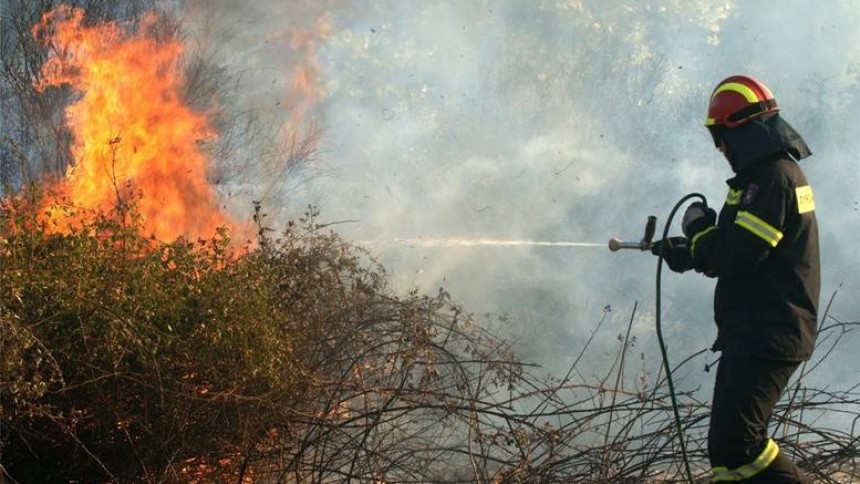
121	356
130	360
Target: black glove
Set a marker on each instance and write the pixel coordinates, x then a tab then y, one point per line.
675	253
697	218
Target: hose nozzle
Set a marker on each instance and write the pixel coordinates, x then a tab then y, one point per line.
616	244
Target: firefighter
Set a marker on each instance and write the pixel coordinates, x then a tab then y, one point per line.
763	251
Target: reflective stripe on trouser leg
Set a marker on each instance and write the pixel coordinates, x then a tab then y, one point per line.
723	474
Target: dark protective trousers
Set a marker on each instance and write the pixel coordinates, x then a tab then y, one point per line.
745	394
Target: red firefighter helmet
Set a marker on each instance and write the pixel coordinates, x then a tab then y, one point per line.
737	100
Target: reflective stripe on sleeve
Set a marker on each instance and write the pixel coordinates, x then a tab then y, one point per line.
767	456
759	227
699	236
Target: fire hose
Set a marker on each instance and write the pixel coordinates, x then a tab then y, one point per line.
646	244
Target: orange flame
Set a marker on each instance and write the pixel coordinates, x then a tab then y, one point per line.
133	133
305	89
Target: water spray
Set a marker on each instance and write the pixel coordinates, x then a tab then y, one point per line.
615	244
457	242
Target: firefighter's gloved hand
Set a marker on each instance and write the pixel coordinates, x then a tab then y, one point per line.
676	253
697	218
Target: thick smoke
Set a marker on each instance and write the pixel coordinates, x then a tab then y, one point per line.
552	120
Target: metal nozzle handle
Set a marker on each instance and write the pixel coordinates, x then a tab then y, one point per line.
650	228
644	244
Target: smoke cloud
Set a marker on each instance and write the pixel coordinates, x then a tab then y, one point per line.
547	120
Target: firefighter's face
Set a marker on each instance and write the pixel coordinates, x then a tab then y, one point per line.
724	150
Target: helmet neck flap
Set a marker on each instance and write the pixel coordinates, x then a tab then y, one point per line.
761	140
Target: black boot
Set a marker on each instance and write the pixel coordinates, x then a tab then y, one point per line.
780	471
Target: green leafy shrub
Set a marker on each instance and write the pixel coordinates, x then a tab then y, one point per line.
128	356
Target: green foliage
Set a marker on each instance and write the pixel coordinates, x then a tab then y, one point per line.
131	356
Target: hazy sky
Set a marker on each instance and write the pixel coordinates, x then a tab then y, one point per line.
548	120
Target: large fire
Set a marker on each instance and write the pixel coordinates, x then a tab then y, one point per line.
134	136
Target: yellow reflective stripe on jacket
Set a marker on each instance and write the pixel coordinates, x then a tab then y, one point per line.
767	456
699	236
734	196
759	228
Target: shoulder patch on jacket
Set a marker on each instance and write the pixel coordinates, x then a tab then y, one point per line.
750	194
805	199
734	196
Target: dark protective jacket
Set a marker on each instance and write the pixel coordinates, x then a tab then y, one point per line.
764	249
